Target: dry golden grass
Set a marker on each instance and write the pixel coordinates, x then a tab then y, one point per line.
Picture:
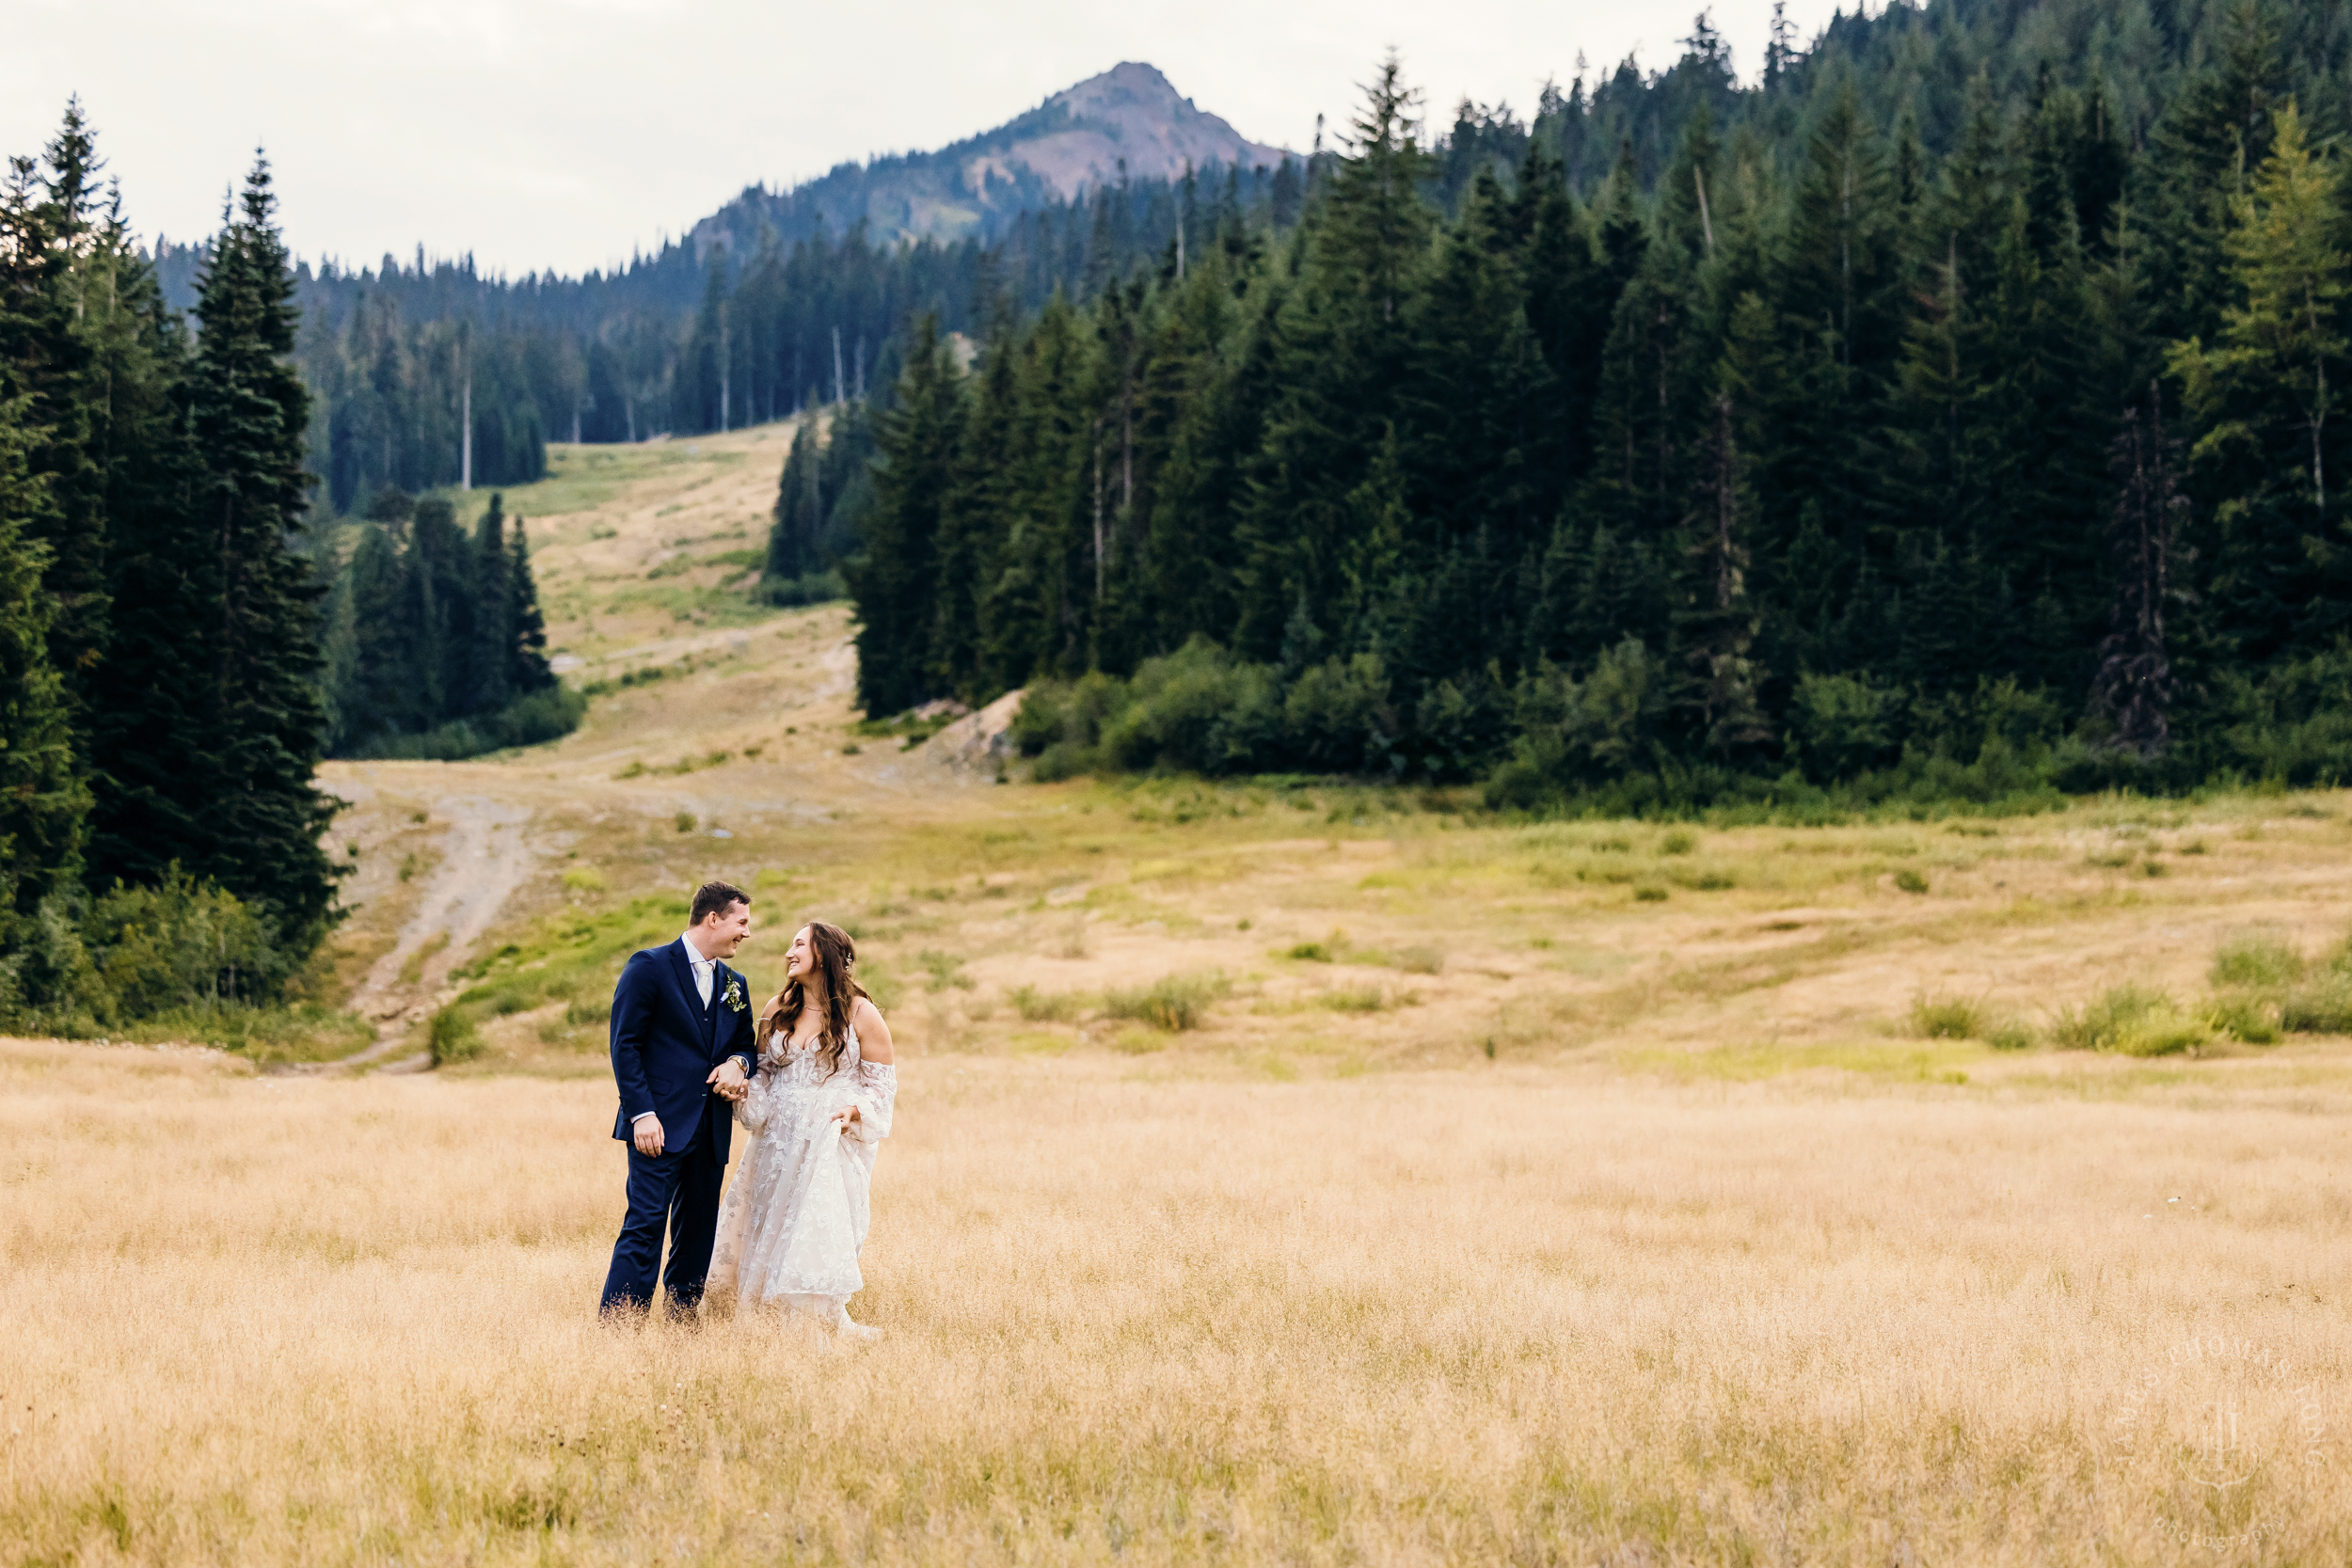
1568	1193
1518	1313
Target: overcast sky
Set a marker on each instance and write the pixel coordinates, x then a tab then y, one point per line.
563	133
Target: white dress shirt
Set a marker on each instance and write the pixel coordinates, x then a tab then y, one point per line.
706	975
702	967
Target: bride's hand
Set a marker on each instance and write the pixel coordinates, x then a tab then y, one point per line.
847	1115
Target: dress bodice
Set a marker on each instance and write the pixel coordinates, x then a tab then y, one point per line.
788	1068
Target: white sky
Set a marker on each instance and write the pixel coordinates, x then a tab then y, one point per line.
562	134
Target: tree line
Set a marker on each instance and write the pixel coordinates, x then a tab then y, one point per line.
1820	455
435	645
160	716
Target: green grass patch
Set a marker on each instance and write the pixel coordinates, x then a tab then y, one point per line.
2134	1021
1037	1006
1176	1002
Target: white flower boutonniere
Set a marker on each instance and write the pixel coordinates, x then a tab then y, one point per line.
735	993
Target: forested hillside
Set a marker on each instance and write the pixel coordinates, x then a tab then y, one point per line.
159	831
1948	412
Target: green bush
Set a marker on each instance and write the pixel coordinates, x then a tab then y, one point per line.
532	720
1038	1006
1841	726
807	589
1948	1017
2132	1020
1177	1003
2257	959
2251	1018
596	1008
2321	1007
454	1037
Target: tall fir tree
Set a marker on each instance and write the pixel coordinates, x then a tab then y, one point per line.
894	575
235	724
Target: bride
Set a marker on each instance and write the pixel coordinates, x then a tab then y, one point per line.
794	1216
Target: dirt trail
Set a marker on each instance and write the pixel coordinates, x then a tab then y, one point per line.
485	857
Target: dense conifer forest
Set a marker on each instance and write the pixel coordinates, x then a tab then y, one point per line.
1946	413
160	715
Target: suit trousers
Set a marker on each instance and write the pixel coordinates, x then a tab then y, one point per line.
676	1190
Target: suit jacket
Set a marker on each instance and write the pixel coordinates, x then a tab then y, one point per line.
665	1042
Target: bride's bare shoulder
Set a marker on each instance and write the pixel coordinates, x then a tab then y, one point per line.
873	1034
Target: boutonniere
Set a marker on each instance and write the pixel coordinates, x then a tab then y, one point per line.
735	993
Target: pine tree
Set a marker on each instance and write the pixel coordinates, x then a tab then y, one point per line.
42	799
47	237
237	725
2269	459
526	647
489	683
894	575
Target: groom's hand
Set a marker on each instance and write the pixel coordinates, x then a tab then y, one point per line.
648	1135
727	1078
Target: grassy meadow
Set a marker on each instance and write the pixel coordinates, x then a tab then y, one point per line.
1284	1170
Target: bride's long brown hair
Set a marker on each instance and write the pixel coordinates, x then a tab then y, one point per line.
836	961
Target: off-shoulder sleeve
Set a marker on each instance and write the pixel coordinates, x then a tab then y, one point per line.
876	1091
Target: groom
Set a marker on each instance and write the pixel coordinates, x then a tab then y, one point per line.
682	1049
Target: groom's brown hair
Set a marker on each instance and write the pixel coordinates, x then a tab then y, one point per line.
716	898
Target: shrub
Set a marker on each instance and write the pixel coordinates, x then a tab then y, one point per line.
1335	716
1176	1002
452	1036
2322	1007
1038	1006
1309	952
1842	724
1421	961
1910	880
1354	998
584	879
2257	959
807	589
543	716
1948	1018
181	943
588	1009
2252	1019
1678	841
2132	1020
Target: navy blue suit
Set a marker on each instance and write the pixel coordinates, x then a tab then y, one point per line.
665	1040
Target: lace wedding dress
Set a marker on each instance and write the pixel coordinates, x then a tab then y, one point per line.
795	1215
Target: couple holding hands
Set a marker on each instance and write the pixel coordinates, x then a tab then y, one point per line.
809	1077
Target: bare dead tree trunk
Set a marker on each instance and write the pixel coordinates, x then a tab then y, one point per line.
1707	225
2133	688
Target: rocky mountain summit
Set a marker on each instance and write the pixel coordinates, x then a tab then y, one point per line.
1077	139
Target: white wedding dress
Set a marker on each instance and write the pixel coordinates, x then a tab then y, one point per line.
795	1215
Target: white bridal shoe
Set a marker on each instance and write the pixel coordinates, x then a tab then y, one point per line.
860	1333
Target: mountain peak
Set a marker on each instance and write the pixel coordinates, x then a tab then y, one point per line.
1079	138
1133	112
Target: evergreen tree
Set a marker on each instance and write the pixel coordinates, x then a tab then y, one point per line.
42	799
2269	460
236	722
893	577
